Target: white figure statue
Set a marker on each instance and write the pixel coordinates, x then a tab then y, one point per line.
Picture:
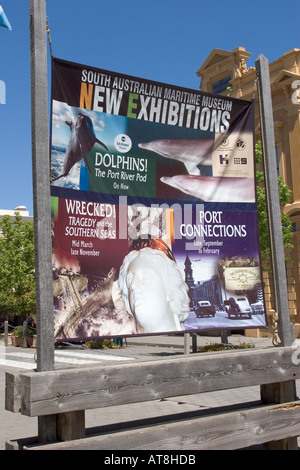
154	291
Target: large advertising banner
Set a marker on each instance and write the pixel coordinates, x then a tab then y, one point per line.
153	204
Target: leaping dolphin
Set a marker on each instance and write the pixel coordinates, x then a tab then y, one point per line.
191	152
214	189
82	141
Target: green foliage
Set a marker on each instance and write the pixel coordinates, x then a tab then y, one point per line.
17	280
285	195
19	332
101	344
224	347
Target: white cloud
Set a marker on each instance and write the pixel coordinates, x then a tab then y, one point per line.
61	113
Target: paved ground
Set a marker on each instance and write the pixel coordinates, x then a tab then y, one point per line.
16	426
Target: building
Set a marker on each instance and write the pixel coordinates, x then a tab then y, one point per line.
223	69
22	210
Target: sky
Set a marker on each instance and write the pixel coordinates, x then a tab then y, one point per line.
162	40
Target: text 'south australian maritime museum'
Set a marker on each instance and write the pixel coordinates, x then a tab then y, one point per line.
153	208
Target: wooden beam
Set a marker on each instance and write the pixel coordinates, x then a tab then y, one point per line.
13	383
227	431
280	393
274	392
272	200
67	390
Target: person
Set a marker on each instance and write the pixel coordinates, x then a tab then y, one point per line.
118	342
233	305
153	288
30	321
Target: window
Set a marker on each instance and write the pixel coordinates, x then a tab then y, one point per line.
221	85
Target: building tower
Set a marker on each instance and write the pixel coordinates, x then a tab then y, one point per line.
189	278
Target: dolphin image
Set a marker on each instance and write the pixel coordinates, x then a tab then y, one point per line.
214	189
191	152
82	141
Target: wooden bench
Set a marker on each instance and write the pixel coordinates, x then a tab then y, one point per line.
63	395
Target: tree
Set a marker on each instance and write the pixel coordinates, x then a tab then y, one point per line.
17	279
285	195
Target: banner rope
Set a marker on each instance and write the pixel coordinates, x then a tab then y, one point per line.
49	37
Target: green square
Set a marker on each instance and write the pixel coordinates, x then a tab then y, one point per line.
124	174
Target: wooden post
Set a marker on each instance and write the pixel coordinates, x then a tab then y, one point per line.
273	205
274	393
41	199
41	186
48	426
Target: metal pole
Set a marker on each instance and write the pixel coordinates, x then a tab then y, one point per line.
273	204
186	343
6	333
194	342
41	186
24	334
